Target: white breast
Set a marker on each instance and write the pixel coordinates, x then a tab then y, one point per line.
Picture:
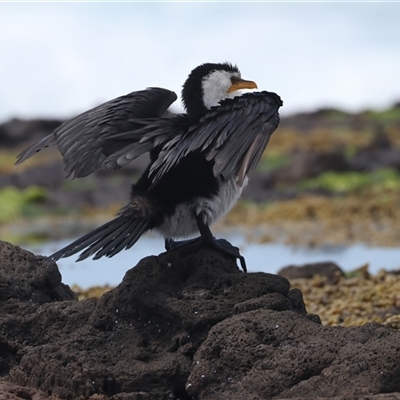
182	223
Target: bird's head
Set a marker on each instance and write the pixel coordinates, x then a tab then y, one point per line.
208	84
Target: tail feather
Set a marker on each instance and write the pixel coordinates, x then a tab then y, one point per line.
107	240
122	240
105	237
90	238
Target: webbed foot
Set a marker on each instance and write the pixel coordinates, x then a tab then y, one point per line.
221	245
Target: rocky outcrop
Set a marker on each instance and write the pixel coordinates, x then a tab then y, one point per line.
17	131
181	326
328	269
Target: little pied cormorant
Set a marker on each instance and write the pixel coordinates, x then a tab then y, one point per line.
199	161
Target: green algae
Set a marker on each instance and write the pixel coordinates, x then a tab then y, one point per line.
353	181
19	202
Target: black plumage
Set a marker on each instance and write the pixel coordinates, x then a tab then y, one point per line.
199	161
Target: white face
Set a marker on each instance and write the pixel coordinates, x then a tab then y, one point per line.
215	87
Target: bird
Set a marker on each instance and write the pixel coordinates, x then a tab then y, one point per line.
199	160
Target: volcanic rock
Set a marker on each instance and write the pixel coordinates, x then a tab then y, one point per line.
180	326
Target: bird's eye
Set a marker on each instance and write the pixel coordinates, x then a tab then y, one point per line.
234	79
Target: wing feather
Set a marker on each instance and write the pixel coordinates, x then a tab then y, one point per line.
86	141
233	135
47	141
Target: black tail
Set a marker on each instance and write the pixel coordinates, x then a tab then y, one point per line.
107	240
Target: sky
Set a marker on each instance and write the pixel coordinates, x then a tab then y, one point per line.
60	59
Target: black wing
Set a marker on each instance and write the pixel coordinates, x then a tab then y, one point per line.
234	135
81	140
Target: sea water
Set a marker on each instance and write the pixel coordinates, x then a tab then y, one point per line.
268	257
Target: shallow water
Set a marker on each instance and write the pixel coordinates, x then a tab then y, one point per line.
268	257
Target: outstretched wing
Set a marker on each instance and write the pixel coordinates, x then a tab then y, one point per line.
81	140
234	135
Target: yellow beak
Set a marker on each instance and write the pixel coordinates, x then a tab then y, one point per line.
242	84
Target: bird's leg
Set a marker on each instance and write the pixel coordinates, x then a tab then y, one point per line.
221	245
169	244
206	238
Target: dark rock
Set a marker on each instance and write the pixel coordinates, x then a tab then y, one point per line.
10	391
94	191
181	326
50	176
370	160
328	269
17	131
308	164
266	354
28	279
380	153
324	118
262	187
142	335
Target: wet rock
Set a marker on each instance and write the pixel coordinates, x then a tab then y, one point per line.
181	326
328	269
